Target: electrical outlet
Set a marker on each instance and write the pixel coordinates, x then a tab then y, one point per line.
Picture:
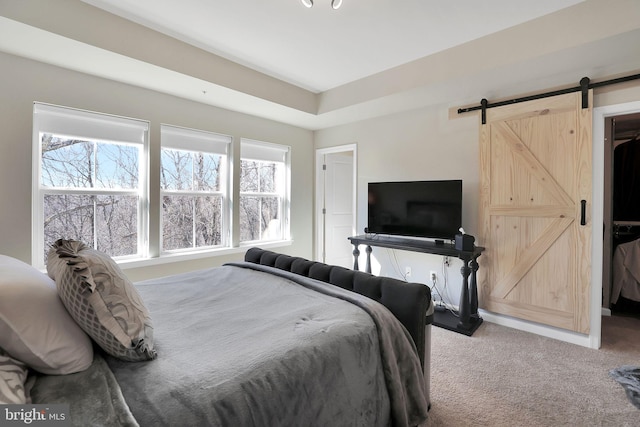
434	276
407	271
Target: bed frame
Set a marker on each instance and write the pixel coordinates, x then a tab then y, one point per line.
409	302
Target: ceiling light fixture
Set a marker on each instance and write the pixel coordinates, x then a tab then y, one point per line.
335	4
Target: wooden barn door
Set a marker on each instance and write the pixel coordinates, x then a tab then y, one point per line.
535	178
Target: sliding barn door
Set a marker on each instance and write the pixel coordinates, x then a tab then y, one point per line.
535	178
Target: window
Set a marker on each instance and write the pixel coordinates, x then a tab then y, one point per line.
89	181
194	185
264	191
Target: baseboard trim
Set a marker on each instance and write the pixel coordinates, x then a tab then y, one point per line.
535	328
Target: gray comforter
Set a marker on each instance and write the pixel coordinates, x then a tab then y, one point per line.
240	347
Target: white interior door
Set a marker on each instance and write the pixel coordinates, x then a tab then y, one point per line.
336	206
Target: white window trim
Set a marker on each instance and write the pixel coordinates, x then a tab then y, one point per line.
168	258
195	140
84	124
48	118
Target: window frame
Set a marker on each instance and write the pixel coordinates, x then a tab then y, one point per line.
260	151
198	141
98	127
94	127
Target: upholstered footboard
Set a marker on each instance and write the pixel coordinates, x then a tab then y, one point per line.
409	302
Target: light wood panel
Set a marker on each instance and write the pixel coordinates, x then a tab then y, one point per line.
535	170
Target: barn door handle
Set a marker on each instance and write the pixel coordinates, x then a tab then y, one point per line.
583	212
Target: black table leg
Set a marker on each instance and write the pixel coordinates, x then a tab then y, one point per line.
464	313
474	289
356	255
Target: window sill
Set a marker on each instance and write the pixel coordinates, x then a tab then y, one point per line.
167	258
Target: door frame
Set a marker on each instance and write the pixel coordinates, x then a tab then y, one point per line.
600	114
320	193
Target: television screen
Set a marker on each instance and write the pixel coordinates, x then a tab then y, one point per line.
430	209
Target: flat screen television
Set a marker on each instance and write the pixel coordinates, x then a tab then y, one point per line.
431	209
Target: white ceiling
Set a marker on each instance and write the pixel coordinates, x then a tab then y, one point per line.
319	68
320	48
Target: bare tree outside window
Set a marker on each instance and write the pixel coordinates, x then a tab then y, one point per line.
261	184
192	201
90	193
93	188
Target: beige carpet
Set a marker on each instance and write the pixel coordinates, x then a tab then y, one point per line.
504	377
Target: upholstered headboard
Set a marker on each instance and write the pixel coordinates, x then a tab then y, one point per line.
409	302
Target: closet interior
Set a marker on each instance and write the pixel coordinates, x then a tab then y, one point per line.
621	264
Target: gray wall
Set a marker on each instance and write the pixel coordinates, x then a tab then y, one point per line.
429	144
24	81
421	144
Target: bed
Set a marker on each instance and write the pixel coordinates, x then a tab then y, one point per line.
275	340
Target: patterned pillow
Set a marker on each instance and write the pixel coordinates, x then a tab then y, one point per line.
102	300
13	375
35	328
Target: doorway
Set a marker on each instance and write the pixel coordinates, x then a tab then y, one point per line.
335	204
598	309
620	291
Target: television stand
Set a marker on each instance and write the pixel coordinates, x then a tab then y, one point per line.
468	319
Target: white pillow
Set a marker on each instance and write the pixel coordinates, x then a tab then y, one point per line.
35	328
13	375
